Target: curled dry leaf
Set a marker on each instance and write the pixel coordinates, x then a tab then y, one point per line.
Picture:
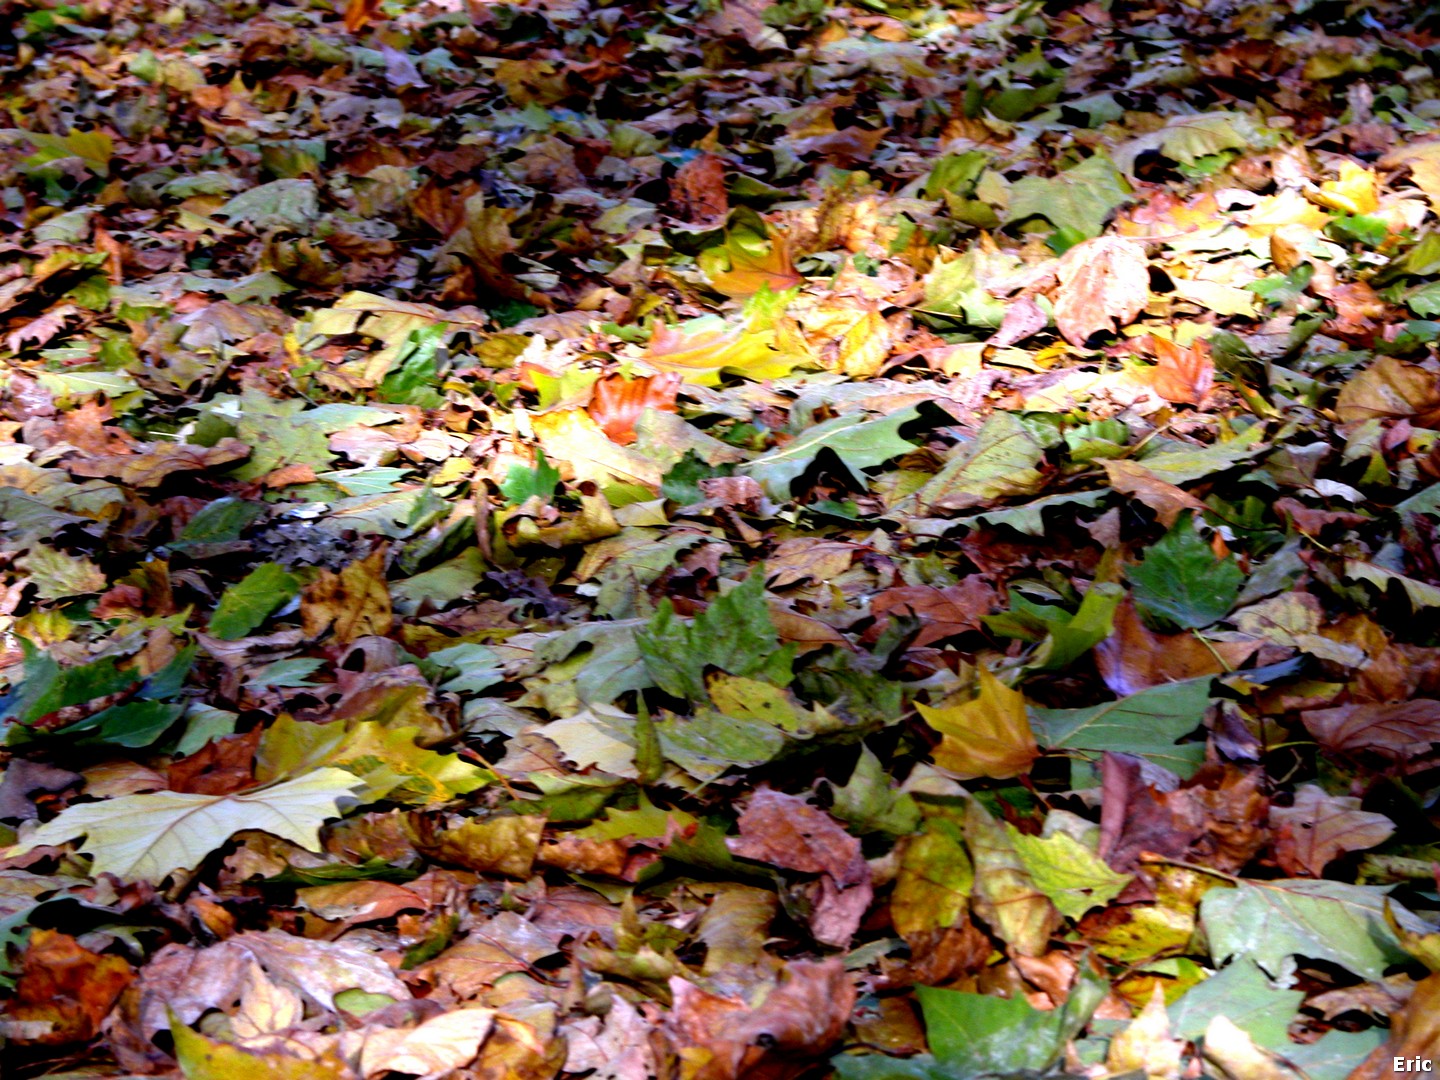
1414	1035
150	466
1216	818
1390	387
187	983
1023	318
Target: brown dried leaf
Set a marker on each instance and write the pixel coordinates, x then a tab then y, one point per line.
698	190
504	945
23	779
1414	1033
219	767
1216	818
1167	500
943	612
803	558
150	467
784	830
1101	280
1134	657
64	991
1398	730
354	603
724	1038
1318	828
1391	387
1022	319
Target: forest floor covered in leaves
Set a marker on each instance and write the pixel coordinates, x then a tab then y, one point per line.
719	541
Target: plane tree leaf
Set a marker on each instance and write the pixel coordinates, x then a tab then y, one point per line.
1269	922
734	634
247	603
148	837
1183	583
1080	199
857	443
1150	724
986	736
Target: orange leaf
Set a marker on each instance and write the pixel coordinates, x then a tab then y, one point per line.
1182	375
698	190
360	13
754	266
619	402
1101	280
65	989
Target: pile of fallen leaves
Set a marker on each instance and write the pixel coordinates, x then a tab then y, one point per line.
719	541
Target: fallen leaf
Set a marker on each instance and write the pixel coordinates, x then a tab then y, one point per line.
351	604
987	736
1414	1036
943	611
147	837
1135	658
1101	280
699	350
1146	1045
787	831
619	402
1398	730
63	992
801	1017
1006	896
439	1045
203	1058
1318	828
150	464
1182	375
698	190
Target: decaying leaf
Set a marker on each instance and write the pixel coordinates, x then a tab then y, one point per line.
787	831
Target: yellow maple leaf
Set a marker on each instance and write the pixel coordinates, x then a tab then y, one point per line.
1356	192
1286	208
989	736
702	348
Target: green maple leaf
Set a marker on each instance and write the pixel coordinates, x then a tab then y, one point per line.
1181	582
734	634
1078	199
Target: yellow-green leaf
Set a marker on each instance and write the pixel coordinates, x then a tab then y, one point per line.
989	736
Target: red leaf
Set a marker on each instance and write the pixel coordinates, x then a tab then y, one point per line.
619	402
